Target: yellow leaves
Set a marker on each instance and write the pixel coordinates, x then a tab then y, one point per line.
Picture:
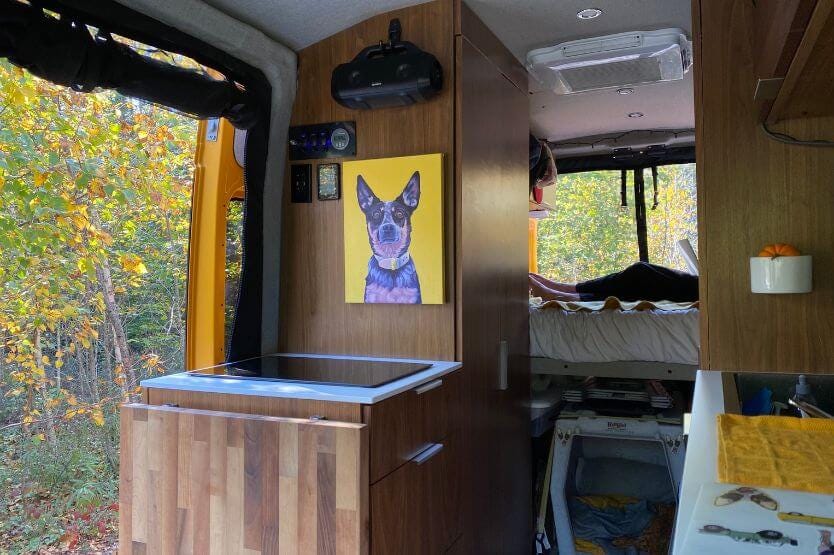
72	400
39	178
133	264
96	189
85	266
68	311
97	416
2	181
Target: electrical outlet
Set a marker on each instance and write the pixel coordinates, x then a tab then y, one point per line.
301	181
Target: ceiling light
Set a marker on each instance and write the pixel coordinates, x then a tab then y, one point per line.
636	115
589	13
625	91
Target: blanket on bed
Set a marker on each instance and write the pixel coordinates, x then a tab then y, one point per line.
611	303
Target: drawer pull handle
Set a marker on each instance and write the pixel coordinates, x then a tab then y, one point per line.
428	387
503	363
428	453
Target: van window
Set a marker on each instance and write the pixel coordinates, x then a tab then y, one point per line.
589	234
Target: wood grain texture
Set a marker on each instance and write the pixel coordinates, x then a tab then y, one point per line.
251	404
805	91
415	510
249	484
405	424
754	191
779	26
492	228
316	317
481	37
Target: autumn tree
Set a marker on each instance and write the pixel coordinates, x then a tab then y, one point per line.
589	234
95	196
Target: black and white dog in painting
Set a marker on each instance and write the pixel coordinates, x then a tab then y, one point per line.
392	276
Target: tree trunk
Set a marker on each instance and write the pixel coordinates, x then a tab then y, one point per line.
120	346
49	417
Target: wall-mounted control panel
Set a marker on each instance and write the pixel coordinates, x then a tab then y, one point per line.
324	140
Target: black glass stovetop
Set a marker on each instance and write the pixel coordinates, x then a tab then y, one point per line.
331	371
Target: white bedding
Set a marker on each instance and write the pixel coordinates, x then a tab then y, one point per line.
615	335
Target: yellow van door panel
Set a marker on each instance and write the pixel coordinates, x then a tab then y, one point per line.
217	180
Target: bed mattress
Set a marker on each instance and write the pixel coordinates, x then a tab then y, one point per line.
615	335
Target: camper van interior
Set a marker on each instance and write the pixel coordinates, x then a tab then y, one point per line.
478	276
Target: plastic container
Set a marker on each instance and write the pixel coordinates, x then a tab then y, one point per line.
780	275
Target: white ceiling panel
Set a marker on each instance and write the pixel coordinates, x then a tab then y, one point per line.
300	23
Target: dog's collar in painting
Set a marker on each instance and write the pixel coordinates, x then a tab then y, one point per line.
393	263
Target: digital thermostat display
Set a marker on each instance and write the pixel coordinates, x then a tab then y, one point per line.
340	139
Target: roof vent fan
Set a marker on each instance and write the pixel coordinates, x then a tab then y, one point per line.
612	61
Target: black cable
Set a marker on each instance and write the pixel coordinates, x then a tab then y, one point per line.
789	140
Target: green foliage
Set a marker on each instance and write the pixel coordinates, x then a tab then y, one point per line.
590	235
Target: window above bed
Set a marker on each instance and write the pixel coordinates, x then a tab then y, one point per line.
589	234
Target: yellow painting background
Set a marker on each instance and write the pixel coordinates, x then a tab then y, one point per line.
387	177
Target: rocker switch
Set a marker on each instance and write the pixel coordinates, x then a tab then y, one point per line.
301	183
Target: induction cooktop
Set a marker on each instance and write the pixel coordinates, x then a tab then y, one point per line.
331	371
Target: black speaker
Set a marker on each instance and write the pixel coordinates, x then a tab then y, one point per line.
396	73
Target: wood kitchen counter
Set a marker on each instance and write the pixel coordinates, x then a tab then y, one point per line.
257	466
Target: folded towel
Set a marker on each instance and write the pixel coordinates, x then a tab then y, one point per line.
777	452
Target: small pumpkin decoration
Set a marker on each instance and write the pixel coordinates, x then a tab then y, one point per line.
779	249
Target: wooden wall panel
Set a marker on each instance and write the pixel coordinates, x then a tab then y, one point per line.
493	130
251	404
753	191
315	317
212	482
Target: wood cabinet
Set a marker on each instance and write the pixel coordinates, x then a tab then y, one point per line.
407	424
752	191
201	474
794	42
415	509
198	481
493	187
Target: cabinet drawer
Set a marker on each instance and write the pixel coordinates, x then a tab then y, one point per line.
404	425
416	508
206	481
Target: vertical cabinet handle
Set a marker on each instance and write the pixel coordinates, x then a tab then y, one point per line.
503	363
428	453
428	387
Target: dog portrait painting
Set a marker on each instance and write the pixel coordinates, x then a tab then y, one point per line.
394	230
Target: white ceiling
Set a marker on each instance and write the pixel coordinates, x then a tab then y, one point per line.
525	25
300	23
522	25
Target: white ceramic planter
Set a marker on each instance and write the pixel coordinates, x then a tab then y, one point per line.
782	274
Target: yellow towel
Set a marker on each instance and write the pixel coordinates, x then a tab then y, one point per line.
776	452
